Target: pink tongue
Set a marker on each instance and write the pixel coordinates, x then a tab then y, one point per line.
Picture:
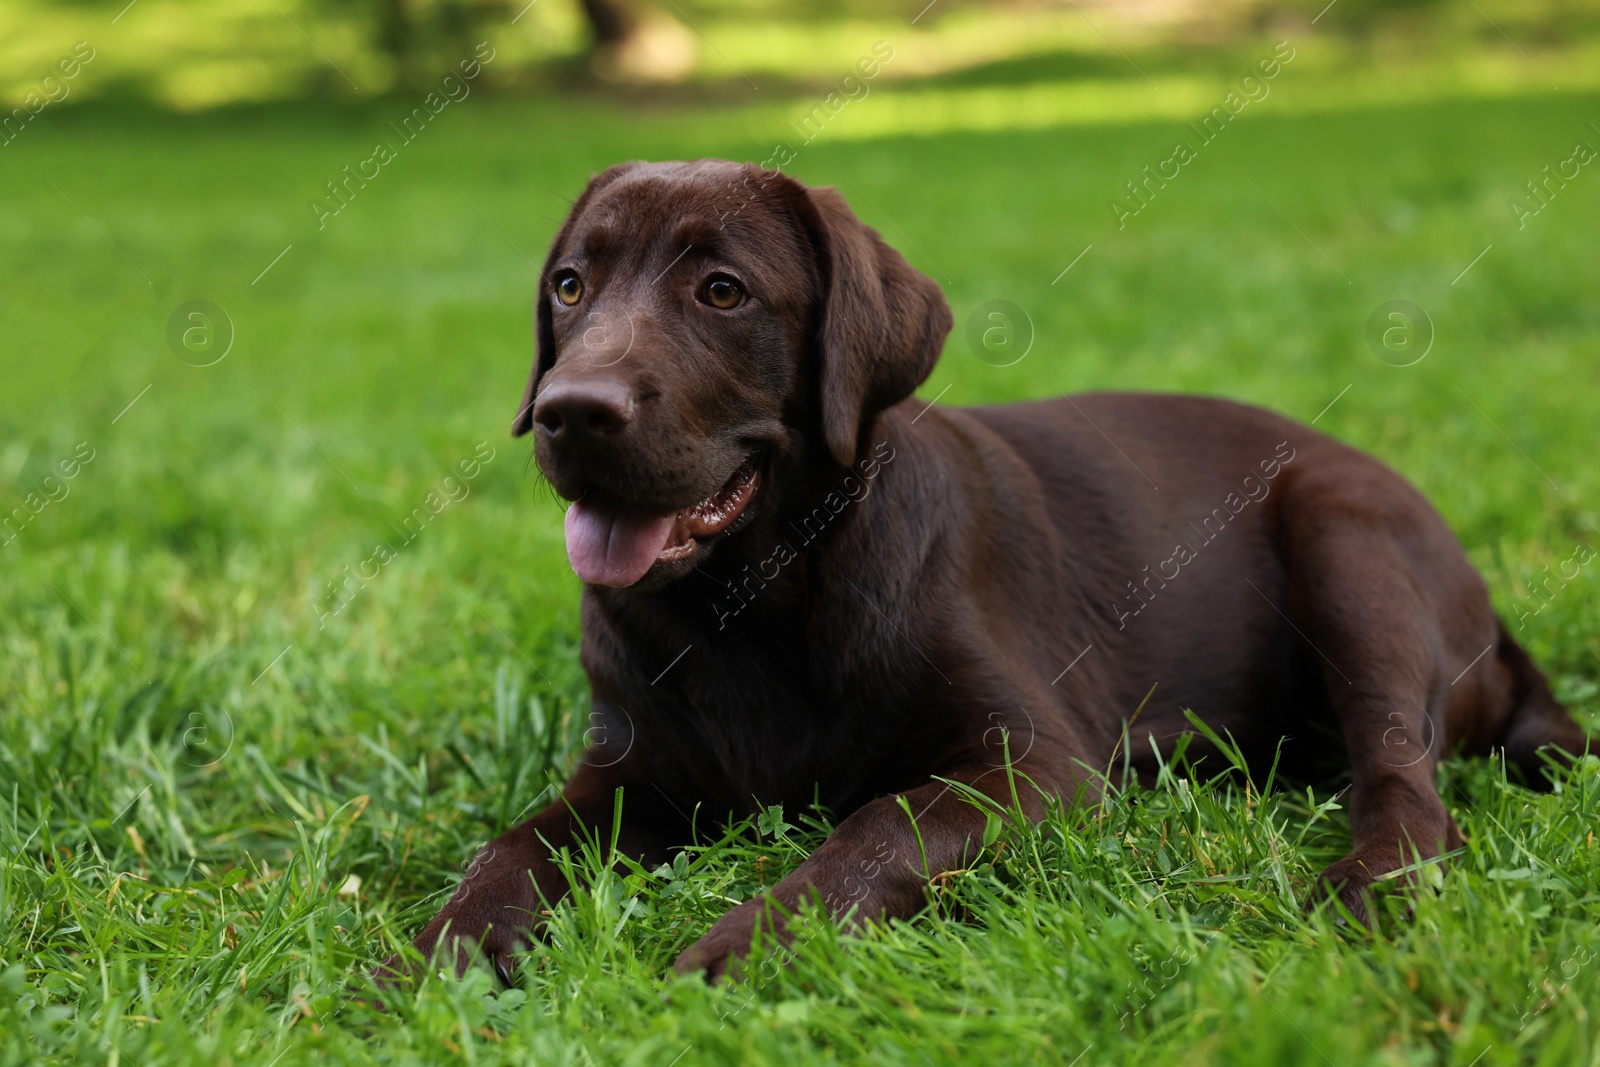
614	548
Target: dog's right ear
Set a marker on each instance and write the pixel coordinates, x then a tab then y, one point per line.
543	330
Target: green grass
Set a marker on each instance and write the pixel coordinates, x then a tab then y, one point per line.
216	811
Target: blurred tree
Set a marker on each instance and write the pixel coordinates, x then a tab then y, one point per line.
421	36
635	46
631	43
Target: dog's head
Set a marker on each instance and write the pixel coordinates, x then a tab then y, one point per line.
704	330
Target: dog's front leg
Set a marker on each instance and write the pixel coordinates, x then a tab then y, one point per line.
497	906
876	865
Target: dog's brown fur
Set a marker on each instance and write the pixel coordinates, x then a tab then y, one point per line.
905	593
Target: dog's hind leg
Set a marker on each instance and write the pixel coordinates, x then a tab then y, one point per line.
1369	613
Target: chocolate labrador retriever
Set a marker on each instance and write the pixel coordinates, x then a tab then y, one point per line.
802	584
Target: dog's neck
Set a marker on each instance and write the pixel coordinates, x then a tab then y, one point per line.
745	646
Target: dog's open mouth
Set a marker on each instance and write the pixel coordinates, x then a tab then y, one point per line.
615	544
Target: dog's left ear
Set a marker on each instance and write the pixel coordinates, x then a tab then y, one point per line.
883	323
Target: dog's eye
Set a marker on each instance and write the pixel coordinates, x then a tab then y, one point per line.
723	293
569	290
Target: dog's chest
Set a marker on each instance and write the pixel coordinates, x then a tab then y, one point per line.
750	730
753	738
769	708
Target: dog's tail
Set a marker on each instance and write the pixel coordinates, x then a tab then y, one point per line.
1538	723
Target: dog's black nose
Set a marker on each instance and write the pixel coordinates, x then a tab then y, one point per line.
595	407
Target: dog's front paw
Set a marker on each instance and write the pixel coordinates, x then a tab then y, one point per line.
488	919
1350	882
728	942
448	949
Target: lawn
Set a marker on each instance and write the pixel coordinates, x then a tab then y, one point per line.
226	792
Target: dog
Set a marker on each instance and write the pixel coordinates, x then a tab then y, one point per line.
801	584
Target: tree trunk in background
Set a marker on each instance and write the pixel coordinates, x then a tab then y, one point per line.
396	36
637	46
613	21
